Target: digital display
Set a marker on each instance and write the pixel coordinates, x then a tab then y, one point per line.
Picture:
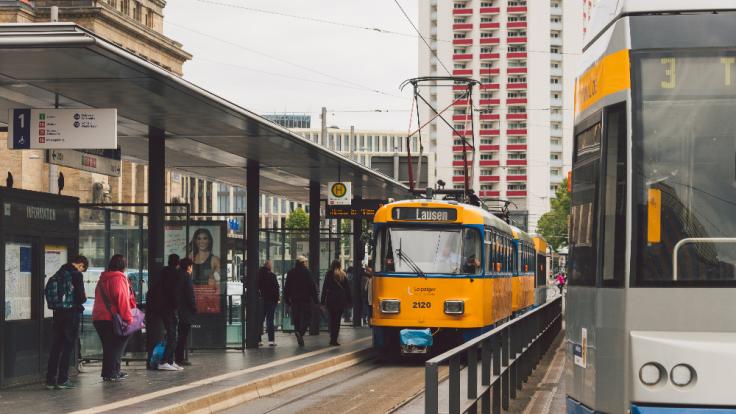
424	214
713	76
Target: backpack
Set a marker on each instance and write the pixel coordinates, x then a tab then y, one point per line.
59	291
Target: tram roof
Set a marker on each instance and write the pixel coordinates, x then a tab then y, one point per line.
206	135
607	11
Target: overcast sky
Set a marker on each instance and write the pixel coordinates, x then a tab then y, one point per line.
274	63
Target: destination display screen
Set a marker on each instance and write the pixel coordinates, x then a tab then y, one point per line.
712	75
424	214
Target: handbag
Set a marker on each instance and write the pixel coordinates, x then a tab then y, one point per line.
119	326
158	353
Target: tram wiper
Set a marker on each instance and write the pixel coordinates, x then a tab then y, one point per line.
401	255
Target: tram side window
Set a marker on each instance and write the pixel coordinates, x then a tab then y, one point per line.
584	212
613	228
489	251
472	246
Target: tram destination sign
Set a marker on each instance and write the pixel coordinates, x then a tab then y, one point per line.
77	128
687	75
424	214
357	209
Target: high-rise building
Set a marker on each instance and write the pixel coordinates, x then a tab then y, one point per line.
525	55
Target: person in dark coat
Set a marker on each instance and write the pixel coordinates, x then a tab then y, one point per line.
335	297
268	287
300	294
187	309
168	305
66	327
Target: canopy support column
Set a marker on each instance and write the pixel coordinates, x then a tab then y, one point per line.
314	236
253	194
156	217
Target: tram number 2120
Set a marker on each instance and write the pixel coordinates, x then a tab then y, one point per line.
421	305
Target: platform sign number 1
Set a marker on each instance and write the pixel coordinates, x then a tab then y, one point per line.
21	129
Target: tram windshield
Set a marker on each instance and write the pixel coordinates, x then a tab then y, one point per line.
685	168
428	250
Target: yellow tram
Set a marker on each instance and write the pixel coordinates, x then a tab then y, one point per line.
445	272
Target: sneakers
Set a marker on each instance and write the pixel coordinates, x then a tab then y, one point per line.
64	386
166	367
122	375
183	363
116	378
260	344
50	386
272	343
299	338
177	366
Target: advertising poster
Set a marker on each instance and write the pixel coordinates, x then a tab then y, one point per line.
204	247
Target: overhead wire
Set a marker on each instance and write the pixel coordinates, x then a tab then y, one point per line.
416	29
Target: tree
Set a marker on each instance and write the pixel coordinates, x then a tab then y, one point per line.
553	225
297	220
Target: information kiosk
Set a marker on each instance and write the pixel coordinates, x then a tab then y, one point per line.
38	233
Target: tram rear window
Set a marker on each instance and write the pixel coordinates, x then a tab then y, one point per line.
684	144
424	214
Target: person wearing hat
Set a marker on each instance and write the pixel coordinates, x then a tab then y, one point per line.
300	293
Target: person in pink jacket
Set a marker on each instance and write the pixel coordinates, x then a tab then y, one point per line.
114	286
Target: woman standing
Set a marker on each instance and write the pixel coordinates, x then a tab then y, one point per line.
112	296
206	265
336	297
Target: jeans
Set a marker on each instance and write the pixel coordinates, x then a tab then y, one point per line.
113	347
269	311
65	334
170	321
181	343
335	315
301	316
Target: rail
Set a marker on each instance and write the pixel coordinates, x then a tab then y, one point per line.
508	355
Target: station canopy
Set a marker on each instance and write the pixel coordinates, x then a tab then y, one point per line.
206	135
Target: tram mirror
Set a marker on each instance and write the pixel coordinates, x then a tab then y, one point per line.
654	216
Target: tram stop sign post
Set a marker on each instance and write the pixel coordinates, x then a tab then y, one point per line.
339	193
72	128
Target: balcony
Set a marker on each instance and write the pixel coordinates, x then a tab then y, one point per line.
489	163
555	26
489	117
484	102
555	117
516	178
555	102
555	147
490	56
458	179
460	163
516	193
555	57
516	55
555	132
490	193
555	41
516	132
490	147
461	102
462	42
462	12
462	26
516	86
459	88
555	163
467	117
516	25
490	132
490	10
490	71
516	40
516	70
458	148
555	11
516	101
516	116
462	56
516	147
490	26
490	178
462	133
555	72
490	40
462	72
555	87
516	10
490	87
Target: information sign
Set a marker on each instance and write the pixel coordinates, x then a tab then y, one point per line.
77	128
357	209
107	162
339	194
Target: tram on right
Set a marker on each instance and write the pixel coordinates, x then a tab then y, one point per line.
651	301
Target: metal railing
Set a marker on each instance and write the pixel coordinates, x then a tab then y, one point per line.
508	355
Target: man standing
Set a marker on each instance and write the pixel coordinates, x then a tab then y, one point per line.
300	294
187	308
168	304
268	287
65	296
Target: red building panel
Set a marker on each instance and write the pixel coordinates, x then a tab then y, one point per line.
516	147
462	11
516	116
515	162
516	86
489	40
516	193
516	178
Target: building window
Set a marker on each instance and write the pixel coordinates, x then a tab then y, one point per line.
137	11
149	18
516	187
125	7
517	155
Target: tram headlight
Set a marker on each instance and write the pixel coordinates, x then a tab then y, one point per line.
454	307
390	305
651	373
682	375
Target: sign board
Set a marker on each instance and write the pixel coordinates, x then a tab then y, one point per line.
357	209
580	351
107	162
78	128
339	194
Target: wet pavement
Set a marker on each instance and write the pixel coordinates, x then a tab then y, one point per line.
147	390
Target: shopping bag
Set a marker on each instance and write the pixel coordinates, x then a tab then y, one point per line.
158	353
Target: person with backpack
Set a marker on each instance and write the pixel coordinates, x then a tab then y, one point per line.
335	297
167	298
113	297
65	295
